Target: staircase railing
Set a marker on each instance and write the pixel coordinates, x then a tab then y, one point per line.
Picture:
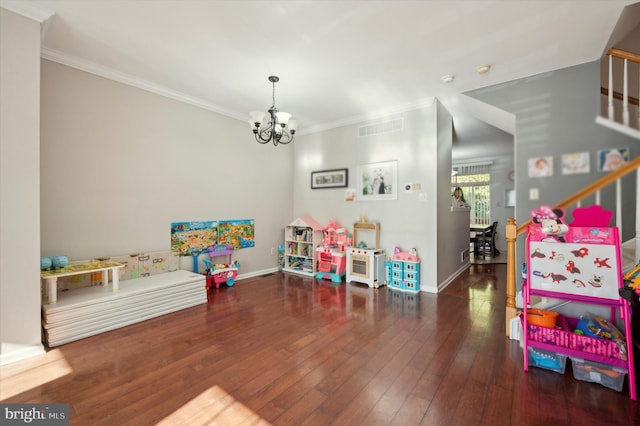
513	231
621	119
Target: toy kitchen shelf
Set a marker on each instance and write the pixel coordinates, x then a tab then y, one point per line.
585	269
301	237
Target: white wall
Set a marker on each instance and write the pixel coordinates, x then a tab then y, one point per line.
19	185
407	222
120	164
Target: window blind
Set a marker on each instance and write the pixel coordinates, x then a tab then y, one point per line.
472	169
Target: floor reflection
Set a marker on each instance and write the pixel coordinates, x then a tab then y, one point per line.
352	300
406	304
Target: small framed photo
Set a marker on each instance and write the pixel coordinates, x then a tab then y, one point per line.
541	166
611	159
575	163
336	178
510	198
378	181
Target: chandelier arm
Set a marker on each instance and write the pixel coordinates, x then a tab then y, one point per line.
285	137
263	135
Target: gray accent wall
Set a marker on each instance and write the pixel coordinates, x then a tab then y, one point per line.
555	115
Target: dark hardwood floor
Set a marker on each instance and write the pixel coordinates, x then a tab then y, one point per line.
287	350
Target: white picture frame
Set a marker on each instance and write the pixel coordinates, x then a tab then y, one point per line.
611	159
377	181
540	167
576	163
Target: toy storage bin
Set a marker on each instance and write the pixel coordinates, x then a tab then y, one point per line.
593	345
606	375
558	336
547	360
542	318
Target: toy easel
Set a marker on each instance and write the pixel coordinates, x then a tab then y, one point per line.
590	275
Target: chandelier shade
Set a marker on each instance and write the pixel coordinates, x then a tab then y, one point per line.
278	128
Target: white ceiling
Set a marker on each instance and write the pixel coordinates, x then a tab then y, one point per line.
338	61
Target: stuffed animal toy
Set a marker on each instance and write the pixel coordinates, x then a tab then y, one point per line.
551	222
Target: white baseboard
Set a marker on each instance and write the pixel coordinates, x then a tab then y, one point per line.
12	352
515	328
452	277
257	273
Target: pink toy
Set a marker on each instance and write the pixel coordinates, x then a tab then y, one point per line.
219	273
411	256
550	221
331	255
590	274
591	216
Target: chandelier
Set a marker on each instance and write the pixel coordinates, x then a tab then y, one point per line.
278	129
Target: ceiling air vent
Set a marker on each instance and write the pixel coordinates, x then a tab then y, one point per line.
382	127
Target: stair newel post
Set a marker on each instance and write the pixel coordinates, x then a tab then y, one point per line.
511	310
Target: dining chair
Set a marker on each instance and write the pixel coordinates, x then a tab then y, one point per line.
486	242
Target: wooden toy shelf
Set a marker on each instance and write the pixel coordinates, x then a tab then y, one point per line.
301	237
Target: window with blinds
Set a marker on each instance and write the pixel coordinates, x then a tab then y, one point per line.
474	180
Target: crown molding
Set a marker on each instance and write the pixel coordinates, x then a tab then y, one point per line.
120	77
115	75
27	9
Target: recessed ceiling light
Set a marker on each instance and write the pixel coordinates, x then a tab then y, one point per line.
483	69
447	78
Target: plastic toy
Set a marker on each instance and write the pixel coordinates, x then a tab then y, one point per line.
331	255
45	263
403	271
546	360
631	284
591	216
595	326
550	221
60	262
219	273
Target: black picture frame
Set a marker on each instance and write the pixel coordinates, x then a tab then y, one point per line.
335	178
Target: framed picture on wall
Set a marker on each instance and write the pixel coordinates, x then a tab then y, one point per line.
577	162
611	159
510	198
378	181
336	178
541	166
